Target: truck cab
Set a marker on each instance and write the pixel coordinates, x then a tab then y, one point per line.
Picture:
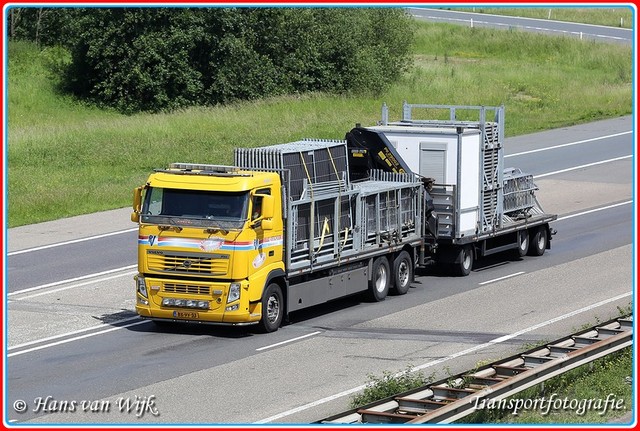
208	238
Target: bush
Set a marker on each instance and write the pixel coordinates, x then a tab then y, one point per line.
158	59
379	388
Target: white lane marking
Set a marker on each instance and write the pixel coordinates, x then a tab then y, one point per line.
582	166
74	241
448	358
567	144
288	341
73	286
68	334
501	278
71	280
594	210
57	343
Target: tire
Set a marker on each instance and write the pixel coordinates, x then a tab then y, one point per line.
523	244
464	262
539	242
272	308
380	279
402	273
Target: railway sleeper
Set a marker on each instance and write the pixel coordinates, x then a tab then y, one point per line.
506	371
375	417
447	393
412	405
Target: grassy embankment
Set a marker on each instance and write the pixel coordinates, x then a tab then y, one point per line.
65	158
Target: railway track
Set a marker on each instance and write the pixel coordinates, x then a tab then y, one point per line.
453	398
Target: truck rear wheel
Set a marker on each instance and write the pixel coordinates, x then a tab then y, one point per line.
539	242
402	273
464	261
380	279
272	308
523	243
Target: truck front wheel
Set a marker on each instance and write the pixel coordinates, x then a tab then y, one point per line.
380	279
272	308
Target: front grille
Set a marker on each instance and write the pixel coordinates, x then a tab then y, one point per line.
186	288
189	263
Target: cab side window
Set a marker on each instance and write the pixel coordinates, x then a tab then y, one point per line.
256	212
256	203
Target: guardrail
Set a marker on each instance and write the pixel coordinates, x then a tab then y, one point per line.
456	397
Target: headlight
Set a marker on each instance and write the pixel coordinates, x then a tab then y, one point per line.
234	292
142	286
187	303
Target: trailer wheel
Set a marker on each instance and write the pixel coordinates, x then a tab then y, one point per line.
402	273
464	261
272	308
380	279
539	243
523	243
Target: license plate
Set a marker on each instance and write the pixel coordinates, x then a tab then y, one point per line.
185	314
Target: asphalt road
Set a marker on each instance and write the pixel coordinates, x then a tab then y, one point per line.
557	28
74	337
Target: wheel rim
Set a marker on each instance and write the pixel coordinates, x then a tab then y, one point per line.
524	244
381	279
403	273
273	308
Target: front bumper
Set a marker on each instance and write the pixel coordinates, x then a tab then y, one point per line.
220	311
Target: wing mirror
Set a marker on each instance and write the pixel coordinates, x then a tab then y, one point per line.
137	204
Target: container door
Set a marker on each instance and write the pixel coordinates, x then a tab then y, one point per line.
433	161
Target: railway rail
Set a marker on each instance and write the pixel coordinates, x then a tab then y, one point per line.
455	397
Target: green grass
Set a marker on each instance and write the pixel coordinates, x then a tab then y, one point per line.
66	158
608	16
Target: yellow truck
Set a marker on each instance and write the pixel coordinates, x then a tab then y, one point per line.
294	225
283	229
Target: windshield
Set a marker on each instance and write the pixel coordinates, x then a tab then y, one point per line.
223	210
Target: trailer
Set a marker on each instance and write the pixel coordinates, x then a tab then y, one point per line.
481	207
